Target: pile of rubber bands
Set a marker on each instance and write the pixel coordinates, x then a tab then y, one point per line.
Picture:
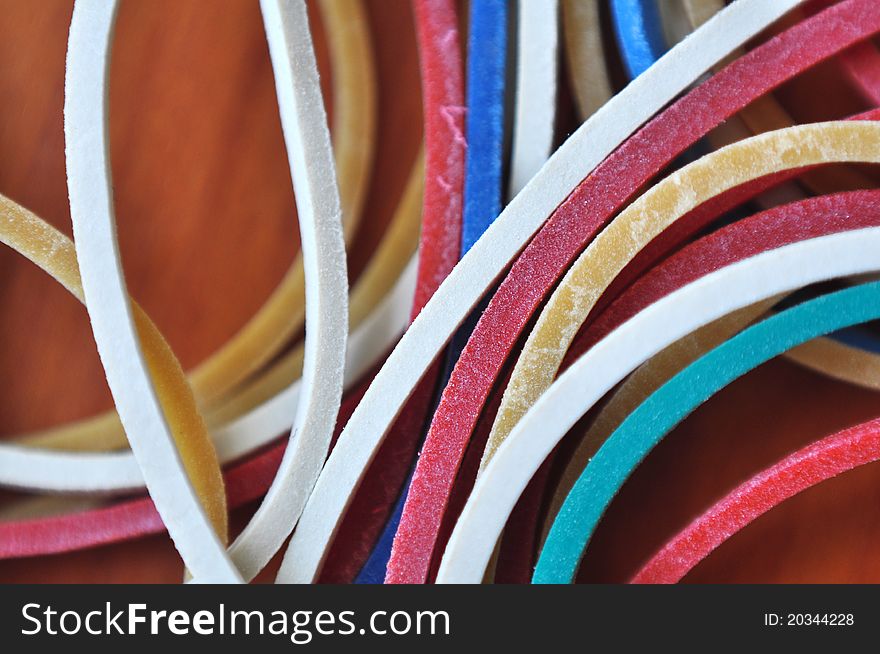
543	309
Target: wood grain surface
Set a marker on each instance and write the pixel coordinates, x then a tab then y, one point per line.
207	227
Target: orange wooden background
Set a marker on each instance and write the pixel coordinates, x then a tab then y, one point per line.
207	227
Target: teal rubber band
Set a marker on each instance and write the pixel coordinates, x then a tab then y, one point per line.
645	427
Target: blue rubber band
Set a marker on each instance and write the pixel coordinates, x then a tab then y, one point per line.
645	427
484	166
486	77
638	31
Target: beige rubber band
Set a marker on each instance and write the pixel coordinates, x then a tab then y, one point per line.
646	218
54	253
585	55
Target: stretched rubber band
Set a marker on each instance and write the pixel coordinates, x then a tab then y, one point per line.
572	226
648	424
664	322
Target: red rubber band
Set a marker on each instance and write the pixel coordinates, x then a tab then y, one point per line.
443	93
797	472
574	223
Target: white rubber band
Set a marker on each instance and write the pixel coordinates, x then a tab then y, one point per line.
536	75
317	199
658	326
106	298
42	470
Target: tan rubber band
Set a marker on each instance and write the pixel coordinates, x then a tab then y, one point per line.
643	220
585	56
54	253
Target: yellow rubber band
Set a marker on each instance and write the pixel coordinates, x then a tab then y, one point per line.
53	252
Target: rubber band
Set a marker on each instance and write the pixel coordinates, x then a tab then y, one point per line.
467	282
646	426
535	113
139	400
486	70
674	21
54	253
115	472
71	531
359	551
767	115
758	233
484	162
808	467
645	219
309	152
861	62
639	34
245	482
440	241
839	361
376	280
664	322
307	139
572	226
585	56
282	314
